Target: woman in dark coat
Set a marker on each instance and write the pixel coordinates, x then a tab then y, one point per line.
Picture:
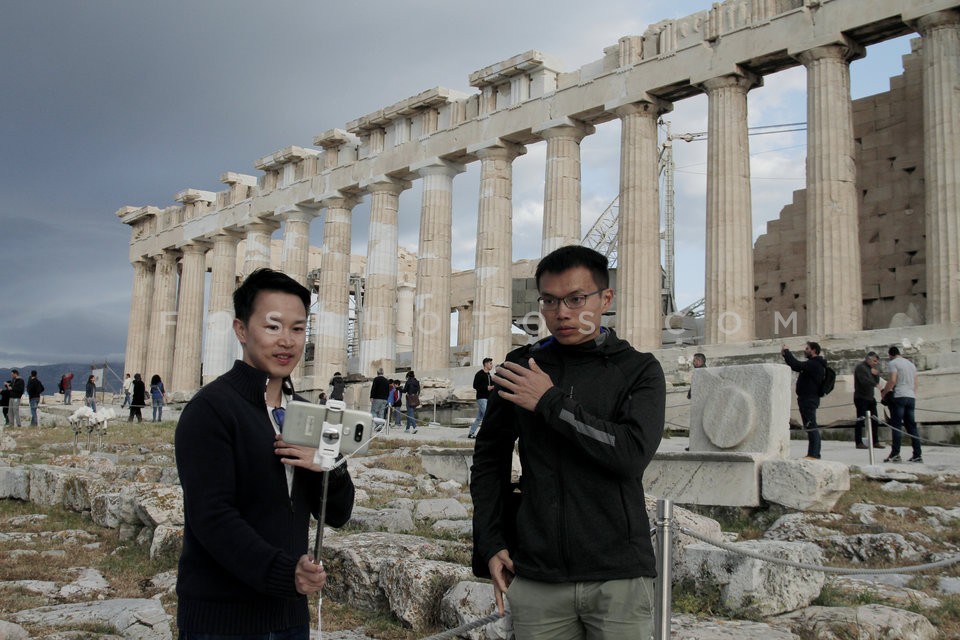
138	399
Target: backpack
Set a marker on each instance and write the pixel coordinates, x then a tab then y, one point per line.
829	380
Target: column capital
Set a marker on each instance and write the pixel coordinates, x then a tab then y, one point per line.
844	49
259	225
437	166
497	148
296	213
741	79
167	254
338	200
923	24
221	235
649	105
195	247
563	127
384	184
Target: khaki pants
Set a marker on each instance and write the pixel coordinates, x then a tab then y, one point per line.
609	610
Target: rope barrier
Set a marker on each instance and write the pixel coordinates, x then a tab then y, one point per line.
923	440
815	567
470	626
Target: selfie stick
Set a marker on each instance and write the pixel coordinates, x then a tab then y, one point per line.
326	457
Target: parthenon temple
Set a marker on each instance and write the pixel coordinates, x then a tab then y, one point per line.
407	300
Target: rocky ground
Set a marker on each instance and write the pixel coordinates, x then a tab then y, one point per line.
89	540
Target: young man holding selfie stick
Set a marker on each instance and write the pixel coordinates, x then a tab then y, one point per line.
248	495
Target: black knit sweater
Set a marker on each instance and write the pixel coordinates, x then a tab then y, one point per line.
243	532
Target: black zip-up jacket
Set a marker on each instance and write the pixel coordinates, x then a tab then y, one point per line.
582	515
811	373
34	388
243	532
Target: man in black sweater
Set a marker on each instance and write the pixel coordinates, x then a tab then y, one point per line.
379	390
247	495
811	375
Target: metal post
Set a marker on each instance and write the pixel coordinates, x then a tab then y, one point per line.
868	425
662	612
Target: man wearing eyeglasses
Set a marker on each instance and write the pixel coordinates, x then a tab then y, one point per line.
247	495
588	412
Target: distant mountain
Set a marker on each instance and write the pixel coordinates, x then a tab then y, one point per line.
49	375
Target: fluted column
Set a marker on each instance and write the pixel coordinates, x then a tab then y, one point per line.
163	317
465	324
405	318
834	293
493	295
941	162
138	329
333	292
638	246
220	344
561	191
729	260
257	252
187	353
296	252
431	332
378	346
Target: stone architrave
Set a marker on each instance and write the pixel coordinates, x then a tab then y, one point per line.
141	303
638	246
189	336
561	190
834	295
220	344
492	301
729	295
163	318
257	254
378	346
941	160
431	332
333	292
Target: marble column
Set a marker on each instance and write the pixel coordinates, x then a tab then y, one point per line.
189	337
729	261
638	247
333	292
138	329
257	254
493	296
406	293
378	346
941	162
834	293
163	318
465	324
295	256
431	334
561	191
220	345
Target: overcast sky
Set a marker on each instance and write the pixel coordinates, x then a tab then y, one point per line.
111	103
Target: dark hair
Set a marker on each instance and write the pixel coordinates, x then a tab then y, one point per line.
265	280
155	379
34	373
574	255
486	360
700	355
16	371
815	346
411	374
136	376
893	351
872	354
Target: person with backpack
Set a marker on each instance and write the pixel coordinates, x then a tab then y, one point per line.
34	389
412	388
810	387
66	387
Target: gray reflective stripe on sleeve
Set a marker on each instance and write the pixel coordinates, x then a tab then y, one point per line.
586	430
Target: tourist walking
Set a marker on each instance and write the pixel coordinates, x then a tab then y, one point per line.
812	372
66	387
90	393
34	390
157	397
866	381
411	388
337	386
5	402
138	398
483	385
587	409
396	402
16	392
379	390
902	382
127	391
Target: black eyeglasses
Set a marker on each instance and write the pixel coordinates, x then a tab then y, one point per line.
278	415
573	301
